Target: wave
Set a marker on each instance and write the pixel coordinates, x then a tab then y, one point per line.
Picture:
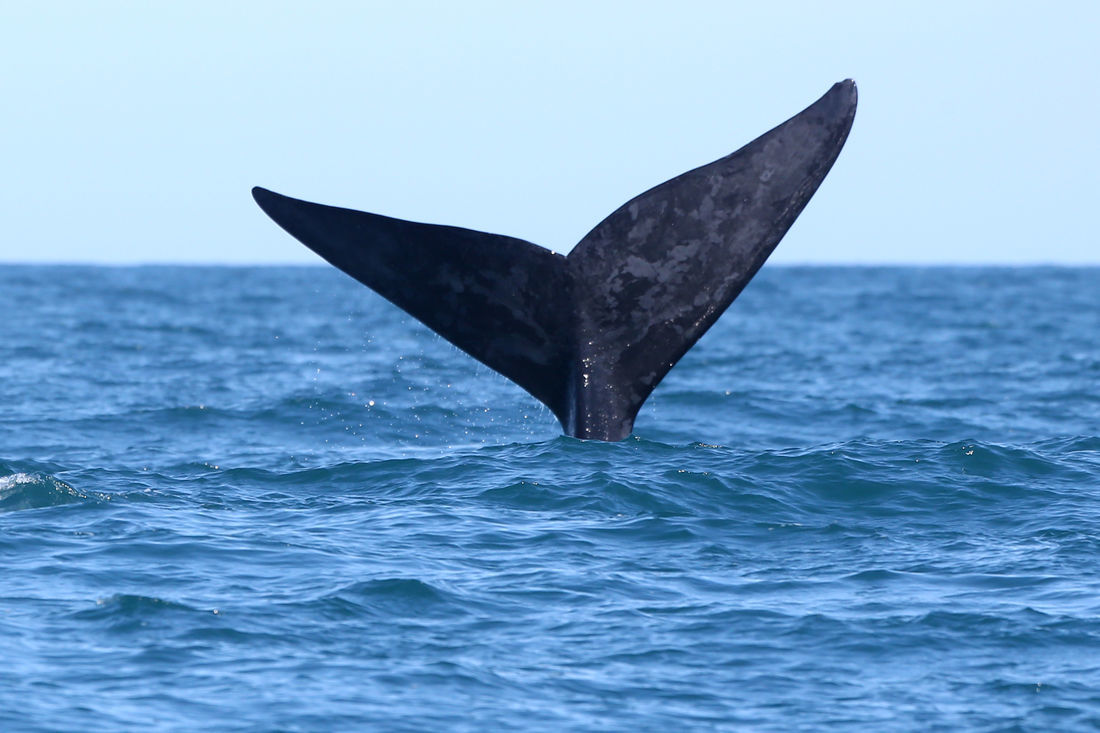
131	605
19	491
399	598
841	484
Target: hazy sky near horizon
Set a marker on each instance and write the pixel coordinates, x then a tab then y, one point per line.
133	132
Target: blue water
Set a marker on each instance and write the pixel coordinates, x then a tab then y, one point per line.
263	499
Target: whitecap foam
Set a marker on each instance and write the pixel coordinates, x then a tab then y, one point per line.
32	491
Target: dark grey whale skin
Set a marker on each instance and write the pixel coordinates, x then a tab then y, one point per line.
591	334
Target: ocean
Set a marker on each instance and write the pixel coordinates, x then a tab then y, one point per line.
264	499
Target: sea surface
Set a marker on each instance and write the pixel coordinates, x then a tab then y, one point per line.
264	499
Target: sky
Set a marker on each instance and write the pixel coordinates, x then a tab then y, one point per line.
134	131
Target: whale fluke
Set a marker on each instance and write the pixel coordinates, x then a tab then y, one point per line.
591	334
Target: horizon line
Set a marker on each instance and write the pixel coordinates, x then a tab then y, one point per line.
322	264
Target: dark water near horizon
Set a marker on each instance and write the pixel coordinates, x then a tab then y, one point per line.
263	499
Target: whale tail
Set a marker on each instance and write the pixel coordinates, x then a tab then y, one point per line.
591	334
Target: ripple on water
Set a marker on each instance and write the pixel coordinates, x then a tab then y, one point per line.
867	499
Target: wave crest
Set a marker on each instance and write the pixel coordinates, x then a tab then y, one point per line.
20	491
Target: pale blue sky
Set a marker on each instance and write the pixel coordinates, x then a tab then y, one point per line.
132	132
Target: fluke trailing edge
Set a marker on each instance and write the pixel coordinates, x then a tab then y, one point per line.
592	333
